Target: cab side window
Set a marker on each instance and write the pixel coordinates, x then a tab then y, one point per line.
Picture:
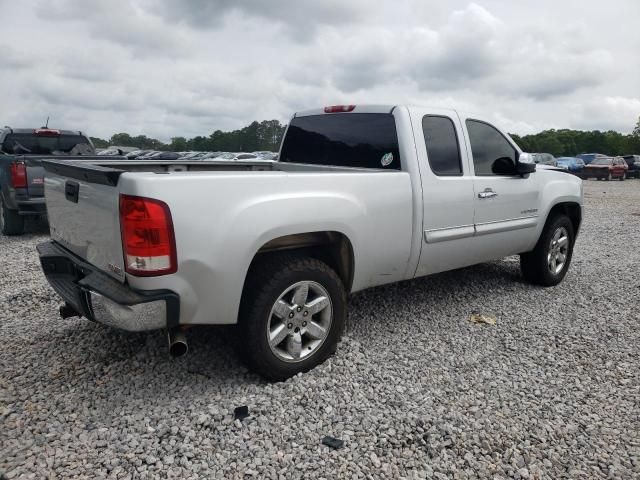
443	148
487	145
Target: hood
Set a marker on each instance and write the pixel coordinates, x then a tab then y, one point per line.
542	166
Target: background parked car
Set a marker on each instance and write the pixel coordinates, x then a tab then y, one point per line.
606	168
544	159
110	152
574	165
590	157
237	156
137	153
266	155
633	161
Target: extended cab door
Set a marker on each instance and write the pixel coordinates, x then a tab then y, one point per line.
506	205
447	191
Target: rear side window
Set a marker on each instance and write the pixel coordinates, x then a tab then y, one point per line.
442	145
487	145
364	140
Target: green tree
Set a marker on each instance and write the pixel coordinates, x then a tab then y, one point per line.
636	129
178	144
99	142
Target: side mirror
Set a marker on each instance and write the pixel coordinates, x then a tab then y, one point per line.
525	164
504	166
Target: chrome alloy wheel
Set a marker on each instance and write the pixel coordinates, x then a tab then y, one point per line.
558	250
300	321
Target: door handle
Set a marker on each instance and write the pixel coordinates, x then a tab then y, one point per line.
488	193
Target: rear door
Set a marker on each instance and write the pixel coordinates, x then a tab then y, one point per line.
447	191
506	206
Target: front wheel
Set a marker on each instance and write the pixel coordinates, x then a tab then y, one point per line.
292	315
11	223
549	261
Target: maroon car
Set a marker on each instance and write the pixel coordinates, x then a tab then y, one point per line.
606	168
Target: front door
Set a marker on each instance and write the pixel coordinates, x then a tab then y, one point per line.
506	206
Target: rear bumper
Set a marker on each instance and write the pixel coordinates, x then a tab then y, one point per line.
98	297
31	206
19	199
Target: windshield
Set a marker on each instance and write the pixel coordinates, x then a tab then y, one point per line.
31	144
364	140
601	161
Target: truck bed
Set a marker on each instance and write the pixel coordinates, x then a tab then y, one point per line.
108	172
224	212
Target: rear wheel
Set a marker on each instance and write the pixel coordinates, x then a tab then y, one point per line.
549	261
10	222
292	315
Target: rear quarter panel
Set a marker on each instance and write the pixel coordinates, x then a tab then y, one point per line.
222	219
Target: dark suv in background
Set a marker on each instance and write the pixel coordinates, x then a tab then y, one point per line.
634	165
21	173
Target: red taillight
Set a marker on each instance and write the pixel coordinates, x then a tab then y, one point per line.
18	175
148	241
46	132
339	108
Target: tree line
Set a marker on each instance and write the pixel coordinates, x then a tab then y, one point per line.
257	136
266	135
568	143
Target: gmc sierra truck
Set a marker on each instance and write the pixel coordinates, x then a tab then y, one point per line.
360	196
21	173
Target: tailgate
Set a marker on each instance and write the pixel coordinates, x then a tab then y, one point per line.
84	218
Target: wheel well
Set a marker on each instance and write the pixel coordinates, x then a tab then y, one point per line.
333	248
571	210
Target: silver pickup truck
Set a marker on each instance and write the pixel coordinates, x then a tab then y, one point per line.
360	196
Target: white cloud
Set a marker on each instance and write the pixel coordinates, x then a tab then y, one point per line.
169	68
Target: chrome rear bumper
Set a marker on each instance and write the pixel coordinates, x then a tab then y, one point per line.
98	297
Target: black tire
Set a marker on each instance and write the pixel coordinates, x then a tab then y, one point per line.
623	177
609	177
267	280
535	265
10	222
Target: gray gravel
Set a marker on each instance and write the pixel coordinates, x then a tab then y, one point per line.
416	390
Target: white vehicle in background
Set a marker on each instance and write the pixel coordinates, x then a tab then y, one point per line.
237	156
361	196
266	155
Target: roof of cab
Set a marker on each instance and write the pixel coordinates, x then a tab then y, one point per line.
357	109
366	109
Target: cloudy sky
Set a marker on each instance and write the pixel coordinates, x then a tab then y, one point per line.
187	67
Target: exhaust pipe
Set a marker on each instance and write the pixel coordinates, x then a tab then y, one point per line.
177	343
67	311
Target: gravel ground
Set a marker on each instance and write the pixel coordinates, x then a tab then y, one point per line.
416	390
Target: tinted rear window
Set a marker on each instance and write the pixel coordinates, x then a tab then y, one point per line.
364	140
30	144
442	145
